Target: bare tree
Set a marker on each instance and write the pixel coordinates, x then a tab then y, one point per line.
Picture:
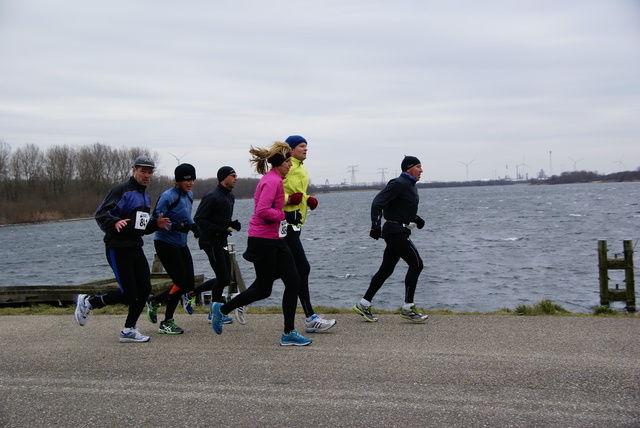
26	163
59	167
7	185
92	166
5	155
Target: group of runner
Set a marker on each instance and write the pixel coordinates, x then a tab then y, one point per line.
274	246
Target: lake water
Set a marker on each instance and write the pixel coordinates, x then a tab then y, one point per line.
484	248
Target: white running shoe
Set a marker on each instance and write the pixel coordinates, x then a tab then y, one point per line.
317	324
413	314
132	335
83	308
239	312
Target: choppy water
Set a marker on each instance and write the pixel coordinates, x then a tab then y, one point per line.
484	248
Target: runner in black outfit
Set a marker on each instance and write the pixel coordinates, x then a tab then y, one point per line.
398	202
214	218
124	217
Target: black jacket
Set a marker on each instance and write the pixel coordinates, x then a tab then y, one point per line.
398	203
214	215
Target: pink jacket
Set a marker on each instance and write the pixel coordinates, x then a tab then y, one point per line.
268	201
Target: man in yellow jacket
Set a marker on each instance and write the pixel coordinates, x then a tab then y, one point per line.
296	198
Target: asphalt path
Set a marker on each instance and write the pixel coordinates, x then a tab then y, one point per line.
454	370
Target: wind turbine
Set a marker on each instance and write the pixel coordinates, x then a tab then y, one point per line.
575	162
178	158
467	167
620	163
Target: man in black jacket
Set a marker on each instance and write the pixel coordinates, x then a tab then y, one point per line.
213	216
398	203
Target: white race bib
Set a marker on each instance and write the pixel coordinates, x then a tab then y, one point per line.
142	220
282	230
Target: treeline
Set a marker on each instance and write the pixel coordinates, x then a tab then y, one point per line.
63	182
589	177
564	178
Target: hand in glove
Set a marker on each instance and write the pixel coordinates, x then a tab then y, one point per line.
419	222
196	230
235	224
312	202
375	233
295	198
180	226
293	217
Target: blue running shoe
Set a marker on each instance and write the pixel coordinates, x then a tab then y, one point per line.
188	302
227	320
218	318
294	339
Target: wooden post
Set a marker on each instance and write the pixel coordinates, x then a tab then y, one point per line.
237	283
604	274
605	264
156	267
629	276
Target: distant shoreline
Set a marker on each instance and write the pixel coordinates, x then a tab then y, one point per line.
348	188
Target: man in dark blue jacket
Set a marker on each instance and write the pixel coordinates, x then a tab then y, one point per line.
124	217
398	203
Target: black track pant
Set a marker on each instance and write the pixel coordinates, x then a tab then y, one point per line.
179	265
132	274
399	246
221	263
302	264
277	262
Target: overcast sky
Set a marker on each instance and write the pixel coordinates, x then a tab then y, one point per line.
467	86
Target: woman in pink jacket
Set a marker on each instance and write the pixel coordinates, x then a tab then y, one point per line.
266	249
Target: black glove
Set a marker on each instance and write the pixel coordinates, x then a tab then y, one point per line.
419	222
196	230
235	224
375	233
180	227
293	217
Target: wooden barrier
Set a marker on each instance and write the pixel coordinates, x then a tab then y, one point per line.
66	294
605	264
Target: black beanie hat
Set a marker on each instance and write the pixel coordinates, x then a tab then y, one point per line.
409	162
224	172
278	159
185	172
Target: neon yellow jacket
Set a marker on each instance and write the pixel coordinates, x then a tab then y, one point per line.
296	181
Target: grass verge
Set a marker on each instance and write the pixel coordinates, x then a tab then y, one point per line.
542	308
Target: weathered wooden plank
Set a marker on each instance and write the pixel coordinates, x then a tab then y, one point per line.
65	294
